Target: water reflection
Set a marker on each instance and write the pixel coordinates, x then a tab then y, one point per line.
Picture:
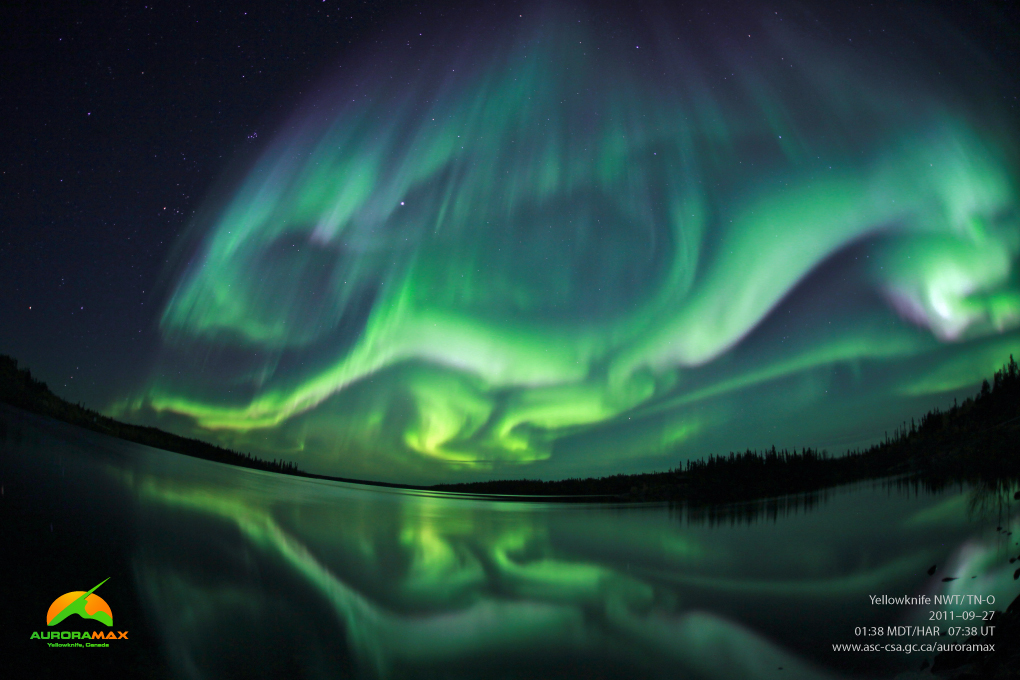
758	510
249	574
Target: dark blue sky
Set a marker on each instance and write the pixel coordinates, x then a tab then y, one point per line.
118	119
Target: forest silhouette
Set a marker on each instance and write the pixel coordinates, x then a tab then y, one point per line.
974	442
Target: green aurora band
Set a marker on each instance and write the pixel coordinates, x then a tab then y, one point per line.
576	249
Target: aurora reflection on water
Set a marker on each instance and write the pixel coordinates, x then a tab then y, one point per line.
224	572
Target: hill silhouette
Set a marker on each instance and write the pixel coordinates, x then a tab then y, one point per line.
19	388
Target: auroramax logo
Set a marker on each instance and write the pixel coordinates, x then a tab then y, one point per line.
86	605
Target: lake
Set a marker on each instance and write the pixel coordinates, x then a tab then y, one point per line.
226	572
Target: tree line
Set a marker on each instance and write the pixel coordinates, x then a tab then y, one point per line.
972	441
19	388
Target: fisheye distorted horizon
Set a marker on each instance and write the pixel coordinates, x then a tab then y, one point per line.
561	247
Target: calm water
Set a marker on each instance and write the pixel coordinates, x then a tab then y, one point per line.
222	572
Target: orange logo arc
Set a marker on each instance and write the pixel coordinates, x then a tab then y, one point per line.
87	605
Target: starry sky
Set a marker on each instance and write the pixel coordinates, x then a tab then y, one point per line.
423	243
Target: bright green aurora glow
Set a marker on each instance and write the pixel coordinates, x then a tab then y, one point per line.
587	253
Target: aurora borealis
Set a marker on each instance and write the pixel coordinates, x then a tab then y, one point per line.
564	249
412	244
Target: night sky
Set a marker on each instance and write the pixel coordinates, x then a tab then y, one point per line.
423	243
120	119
